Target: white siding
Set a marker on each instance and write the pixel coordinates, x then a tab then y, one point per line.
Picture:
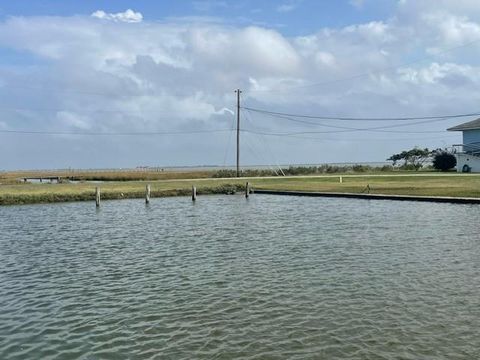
471	160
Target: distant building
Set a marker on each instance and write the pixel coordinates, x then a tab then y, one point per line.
468	153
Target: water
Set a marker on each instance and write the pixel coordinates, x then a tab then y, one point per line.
228	278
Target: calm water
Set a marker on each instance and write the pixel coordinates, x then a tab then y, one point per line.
225	278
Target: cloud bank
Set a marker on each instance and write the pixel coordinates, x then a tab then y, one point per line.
120	73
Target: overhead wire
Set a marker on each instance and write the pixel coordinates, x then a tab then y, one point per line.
83	110
324	117
265	144
352	129
57	89
293	135
112	133
227	149
255	153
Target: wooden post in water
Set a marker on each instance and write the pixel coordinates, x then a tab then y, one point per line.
97	196
147	194
194	193
247	189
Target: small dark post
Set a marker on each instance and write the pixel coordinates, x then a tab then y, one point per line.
97	196
147	194
194	193
247	189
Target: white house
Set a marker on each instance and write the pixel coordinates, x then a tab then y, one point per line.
468	153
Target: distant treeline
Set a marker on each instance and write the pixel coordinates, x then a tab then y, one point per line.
306	170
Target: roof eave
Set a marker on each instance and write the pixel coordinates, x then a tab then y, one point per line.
462	129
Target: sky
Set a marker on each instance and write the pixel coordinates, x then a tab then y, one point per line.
121	84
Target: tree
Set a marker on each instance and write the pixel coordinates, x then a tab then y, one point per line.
415	157
444	160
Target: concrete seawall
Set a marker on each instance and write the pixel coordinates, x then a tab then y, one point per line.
439	199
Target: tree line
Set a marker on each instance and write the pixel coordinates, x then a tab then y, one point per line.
416	158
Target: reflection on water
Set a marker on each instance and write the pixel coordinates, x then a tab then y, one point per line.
268	277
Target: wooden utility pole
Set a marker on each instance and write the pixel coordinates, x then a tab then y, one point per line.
238	91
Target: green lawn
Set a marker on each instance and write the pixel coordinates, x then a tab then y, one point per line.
458	185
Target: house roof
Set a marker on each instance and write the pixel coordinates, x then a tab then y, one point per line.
471	125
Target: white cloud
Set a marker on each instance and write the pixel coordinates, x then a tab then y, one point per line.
448	74
128	16
208	5
288	6
357	3
224	111
180	75
74	120
451	29
325	58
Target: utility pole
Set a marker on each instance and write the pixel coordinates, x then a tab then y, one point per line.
238	91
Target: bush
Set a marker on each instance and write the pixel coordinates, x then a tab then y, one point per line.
386	168
444	161
361	168
410	167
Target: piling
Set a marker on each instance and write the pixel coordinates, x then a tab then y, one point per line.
247	189
194	193
97	196
147	194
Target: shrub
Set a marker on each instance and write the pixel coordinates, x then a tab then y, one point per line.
444	161
361	168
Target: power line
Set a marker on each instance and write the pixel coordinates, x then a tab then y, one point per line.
339	131
56	89
14	108
294	135
349	129
32	132
265	143
324	117
228	143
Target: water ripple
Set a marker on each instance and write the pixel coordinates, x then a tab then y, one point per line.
268	278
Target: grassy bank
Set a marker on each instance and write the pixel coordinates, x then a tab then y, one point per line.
415	184
48	193
457	185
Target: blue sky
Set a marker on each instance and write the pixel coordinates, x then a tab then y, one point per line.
110	67
290	17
